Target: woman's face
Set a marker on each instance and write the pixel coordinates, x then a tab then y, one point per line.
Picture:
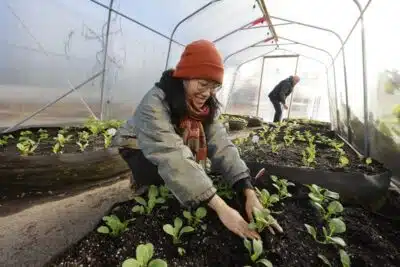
198	91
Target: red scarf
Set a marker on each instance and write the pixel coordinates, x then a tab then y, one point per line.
193	133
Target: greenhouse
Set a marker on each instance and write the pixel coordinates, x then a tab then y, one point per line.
73	73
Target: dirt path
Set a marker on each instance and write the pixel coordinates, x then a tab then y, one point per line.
32	236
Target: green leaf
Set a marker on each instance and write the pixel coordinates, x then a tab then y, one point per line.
153	191
274	198
160	200
103	230
335	207
186	229
139	209
311	230
187	215
325	260
252	226
338	240
331	194
131	263
141	201
201	212
344	258
258	249
337	226
274	178
181	251
144	252
318	206
315	197
169	229
247	245
178	223
204	227
157	263
265	262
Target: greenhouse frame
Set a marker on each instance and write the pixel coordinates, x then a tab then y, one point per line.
63	61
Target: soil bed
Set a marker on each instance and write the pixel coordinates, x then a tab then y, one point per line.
371	240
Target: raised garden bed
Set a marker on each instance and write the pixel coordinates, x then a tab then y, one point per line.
371	240
312	153
38	162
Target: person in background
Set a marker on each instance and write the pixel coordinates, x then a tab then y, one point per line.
176	129
279	94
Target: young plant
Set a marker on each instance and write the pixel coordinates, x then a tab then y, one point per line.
336	226
275	147
321	195
282	185
255	249
61	140
300	137
288	140
146	207
4	139
83	140
181	251
310	138
196	218
114	226
108	135
95	126
266	199
165	193
309	155
224	189
263	219
368	161
144	255
43	135
177	230
26	145
343	161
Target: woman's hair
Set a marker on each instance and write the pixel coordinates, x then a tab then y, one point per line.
176	99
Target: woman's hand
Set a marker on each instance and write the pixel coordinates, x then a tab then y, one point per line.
253	202
232	219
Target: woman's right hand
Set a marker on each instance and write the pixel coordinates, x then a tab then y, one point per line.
231	218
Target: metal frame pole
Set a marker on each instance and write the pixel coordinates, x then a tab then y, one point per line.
259	87
247	47
291	96
53	102
105	59
179	24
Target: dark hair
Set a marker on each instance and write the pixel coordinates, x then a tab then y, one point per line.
176	99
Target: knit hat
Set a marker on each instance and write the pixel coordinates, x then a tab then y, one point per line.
200	60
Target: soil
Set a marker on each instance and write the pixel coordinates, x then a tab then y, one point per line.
372	240
291	156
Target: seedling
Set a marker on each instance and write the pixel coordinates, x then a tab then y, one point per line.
325	260
95	126
177	230
288	140
153	199
43	135
114	226
300	137
321	195
282	185
61	140
26	145
310	138
263	219
344	258
144	255
336	226
181	251
83	140
195	219
165	193
368	161
255	249
343	161
224	189
266	199
309	155
275	147
108	135
4	139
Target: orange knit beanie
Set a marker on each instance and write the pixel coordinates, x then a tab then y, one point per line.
200	60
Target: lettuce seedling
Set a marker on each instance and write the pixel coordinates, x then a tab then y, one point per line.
275	147
196	218
165	193
336	226
266	199
325	260
144	254
115	225
321	195
61	140
288	140
26	145
83	140
224	189
344	258
300	137
282	185
94	125
263	219
368	161
343	161
255	249
310	138
43	135
146	207
108	135
181	251
309	155
177	230
4	139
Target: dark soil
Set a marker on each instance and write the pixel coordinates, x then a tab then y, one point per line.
372	239
291	156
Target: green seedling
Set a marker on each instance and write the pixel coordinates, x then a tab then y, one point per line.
43	135
266	199
344	258
146	207
177	230
26	145
165	193
309	155
114	226
108	135
275	147
263	219
300	137
61	140
181	251
196	218
144	255
288	139
368	161
343	161
336	226
4	139
95	126
224	189
113	124
282	185
83	140
310	138
321	195
255	249
325	260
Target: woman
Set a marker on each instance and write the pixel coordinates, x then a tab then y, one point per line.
176	130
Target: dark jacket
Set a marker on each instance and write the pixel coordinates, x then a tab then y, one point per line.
282	90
